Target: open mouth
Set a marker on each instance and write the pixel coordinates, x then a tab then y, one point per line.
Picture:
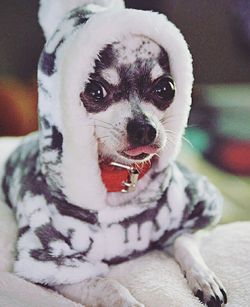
140	153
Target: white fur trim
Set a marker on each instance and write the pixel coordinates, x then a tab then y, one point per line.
81	173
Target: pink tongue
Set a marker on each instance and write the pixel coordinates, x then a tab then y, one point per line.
139	150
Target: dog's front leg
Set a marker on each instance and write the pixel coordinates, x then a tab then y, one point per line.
99	292
203	282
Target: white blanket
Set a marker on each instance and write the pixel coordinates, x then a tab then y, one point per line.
154	279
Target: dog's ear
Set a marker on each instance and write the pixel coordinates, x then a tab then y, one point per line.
51	12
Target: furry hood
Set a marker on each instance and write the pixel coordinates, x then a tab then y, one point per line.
76	31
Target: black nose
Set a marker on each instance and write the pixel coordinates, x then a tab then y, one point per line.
141	132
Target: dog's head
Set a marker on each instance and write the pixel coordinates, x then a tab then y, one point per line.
127	96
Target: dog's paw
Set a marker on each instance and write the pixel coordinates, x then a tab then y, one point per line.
207	287
99	292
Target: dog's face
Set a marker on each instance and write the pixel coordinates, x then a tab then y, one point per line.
127	97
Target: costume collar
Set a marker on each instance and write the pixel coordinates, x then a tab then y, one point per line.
123	178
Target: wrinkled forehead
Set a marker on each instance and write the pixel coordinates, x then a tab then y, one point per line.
133	53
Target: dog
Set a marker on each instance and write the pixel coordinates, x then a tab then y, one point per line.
130	199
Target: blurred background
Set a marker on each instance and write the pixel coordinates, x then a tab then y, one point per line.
218	34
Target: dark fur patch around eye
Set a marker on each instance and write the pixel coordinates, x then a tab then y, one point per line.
94	107
47	60
106	58
163	60
133	83
135	79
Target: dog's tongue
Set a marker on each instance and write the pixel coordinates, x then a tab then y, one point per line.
139	150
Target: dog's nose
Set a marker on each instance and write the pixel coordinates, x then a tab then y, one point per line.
141	132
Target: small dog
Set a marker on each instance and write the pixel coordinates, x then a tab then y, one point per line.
128	98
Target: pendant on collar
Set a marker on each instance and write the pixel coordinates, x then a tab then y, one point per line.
119	177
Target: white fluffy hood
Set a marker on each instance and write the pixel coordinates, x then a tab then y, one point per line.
75	35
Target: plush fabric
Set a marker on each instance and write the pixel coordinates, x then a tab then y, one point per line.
67	244
69	229
154	279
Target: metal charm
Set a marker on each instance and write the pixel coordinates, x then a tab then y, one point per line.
130	185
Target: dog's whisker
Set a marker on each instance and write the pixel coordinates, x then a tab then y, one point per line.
188	141
170	140
157	155
169	131
171	134
173	115
112	129
102	121
192	126
109	128
116	136
170	118
168	145
103	137
183	137
118	133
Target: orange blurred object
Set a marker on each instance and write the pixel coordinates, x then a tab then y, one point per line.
18	107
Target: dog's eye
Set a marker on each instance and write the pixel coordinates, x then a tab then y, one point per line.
165	88
95	90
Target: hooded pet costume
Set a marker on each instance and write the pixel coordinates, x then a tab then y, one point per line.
68	231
